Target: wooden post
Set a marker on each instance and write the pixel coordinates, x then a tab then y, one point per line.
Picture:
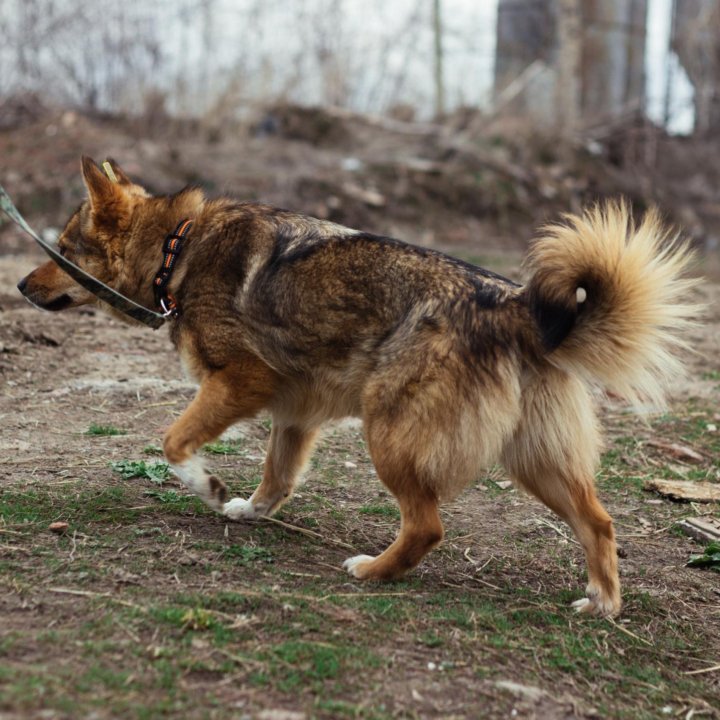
439	79
569	67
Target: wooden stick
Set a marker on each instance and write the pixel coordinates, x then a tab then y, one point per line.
627	632
714	668
309	533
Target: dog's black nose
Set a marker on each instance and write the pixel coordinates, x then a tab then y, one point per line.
22	284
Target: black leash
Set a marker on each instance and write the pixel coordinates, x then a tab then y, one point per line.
96	287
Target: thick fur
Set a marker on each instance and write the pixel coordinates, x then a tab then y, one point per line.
451	367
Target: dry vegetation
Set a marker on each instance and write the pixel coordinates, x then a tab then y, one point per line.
149	605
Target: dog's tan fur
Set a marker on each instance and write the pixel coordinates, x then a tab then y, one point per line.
452	368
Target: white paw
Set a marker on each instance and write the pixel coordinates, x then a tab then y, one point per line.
192	474
352	564
239	509
597	605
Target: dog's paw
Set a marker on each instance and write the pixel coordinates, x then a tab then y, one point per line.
597	603
357	565
239	509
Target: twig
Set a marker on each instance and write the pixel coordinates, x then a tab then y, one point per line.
22	461
71	557
488	584
370	594
240	659
14	548
135	606
91	594
309	533
627	632
714	668
543	521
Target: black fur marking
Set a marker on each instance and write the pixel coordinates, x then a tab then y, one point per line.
474	270
486	295
286	235
311	243
58	304
554	320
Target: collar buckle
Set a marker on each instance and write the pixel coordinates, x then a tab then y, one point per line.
169	308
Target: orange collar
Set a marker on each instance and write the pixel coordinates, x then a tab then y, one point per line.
172	247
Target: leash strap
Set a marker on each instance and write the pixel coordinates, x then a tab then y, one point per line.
93	285
172	247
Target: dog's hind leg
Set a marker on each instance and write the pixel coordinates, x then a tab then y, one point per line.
225	396
420	529
553	455
424	414
288	452
572	497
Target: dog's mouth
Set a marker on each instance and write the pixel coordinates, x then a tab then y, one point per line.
60	303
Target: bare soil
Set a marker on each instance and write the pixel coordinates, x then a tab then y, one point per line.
150	605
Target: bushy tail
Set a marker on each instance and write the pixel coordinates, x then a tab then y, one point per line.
610	299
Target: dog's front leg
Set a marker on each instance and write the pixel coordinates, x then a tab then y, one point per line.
225	396
288	451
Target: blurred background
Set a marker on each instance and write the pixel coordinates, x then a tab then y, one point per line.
455	123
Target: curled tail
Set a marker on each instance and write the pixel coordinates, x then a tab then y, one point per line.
609	299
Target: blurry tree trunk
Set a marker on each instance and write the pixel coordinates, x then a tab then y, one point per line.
568	66
613	58
669	69
439	80
525	33
696	40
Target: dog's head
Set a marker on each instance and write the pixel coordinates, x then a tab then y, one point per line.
93	239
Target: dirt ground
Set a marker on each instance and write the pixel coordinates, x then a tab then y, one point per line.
149	605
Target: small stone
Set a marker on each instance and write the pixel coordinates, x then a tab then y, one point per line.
58	527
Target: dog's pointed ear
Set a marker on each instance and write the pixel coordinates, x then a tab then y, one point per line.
99	186
108	200
120	175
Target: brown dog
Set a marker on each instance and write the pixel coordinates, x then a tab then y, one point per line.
451	367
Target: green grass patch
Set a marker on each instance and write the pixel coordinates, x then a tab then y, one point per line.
297	663
157	472
104	430
175	501
384	608
79	509
232	447
388	511
248	554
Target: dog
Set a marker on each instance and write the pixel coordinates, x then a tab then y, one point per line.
451	367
